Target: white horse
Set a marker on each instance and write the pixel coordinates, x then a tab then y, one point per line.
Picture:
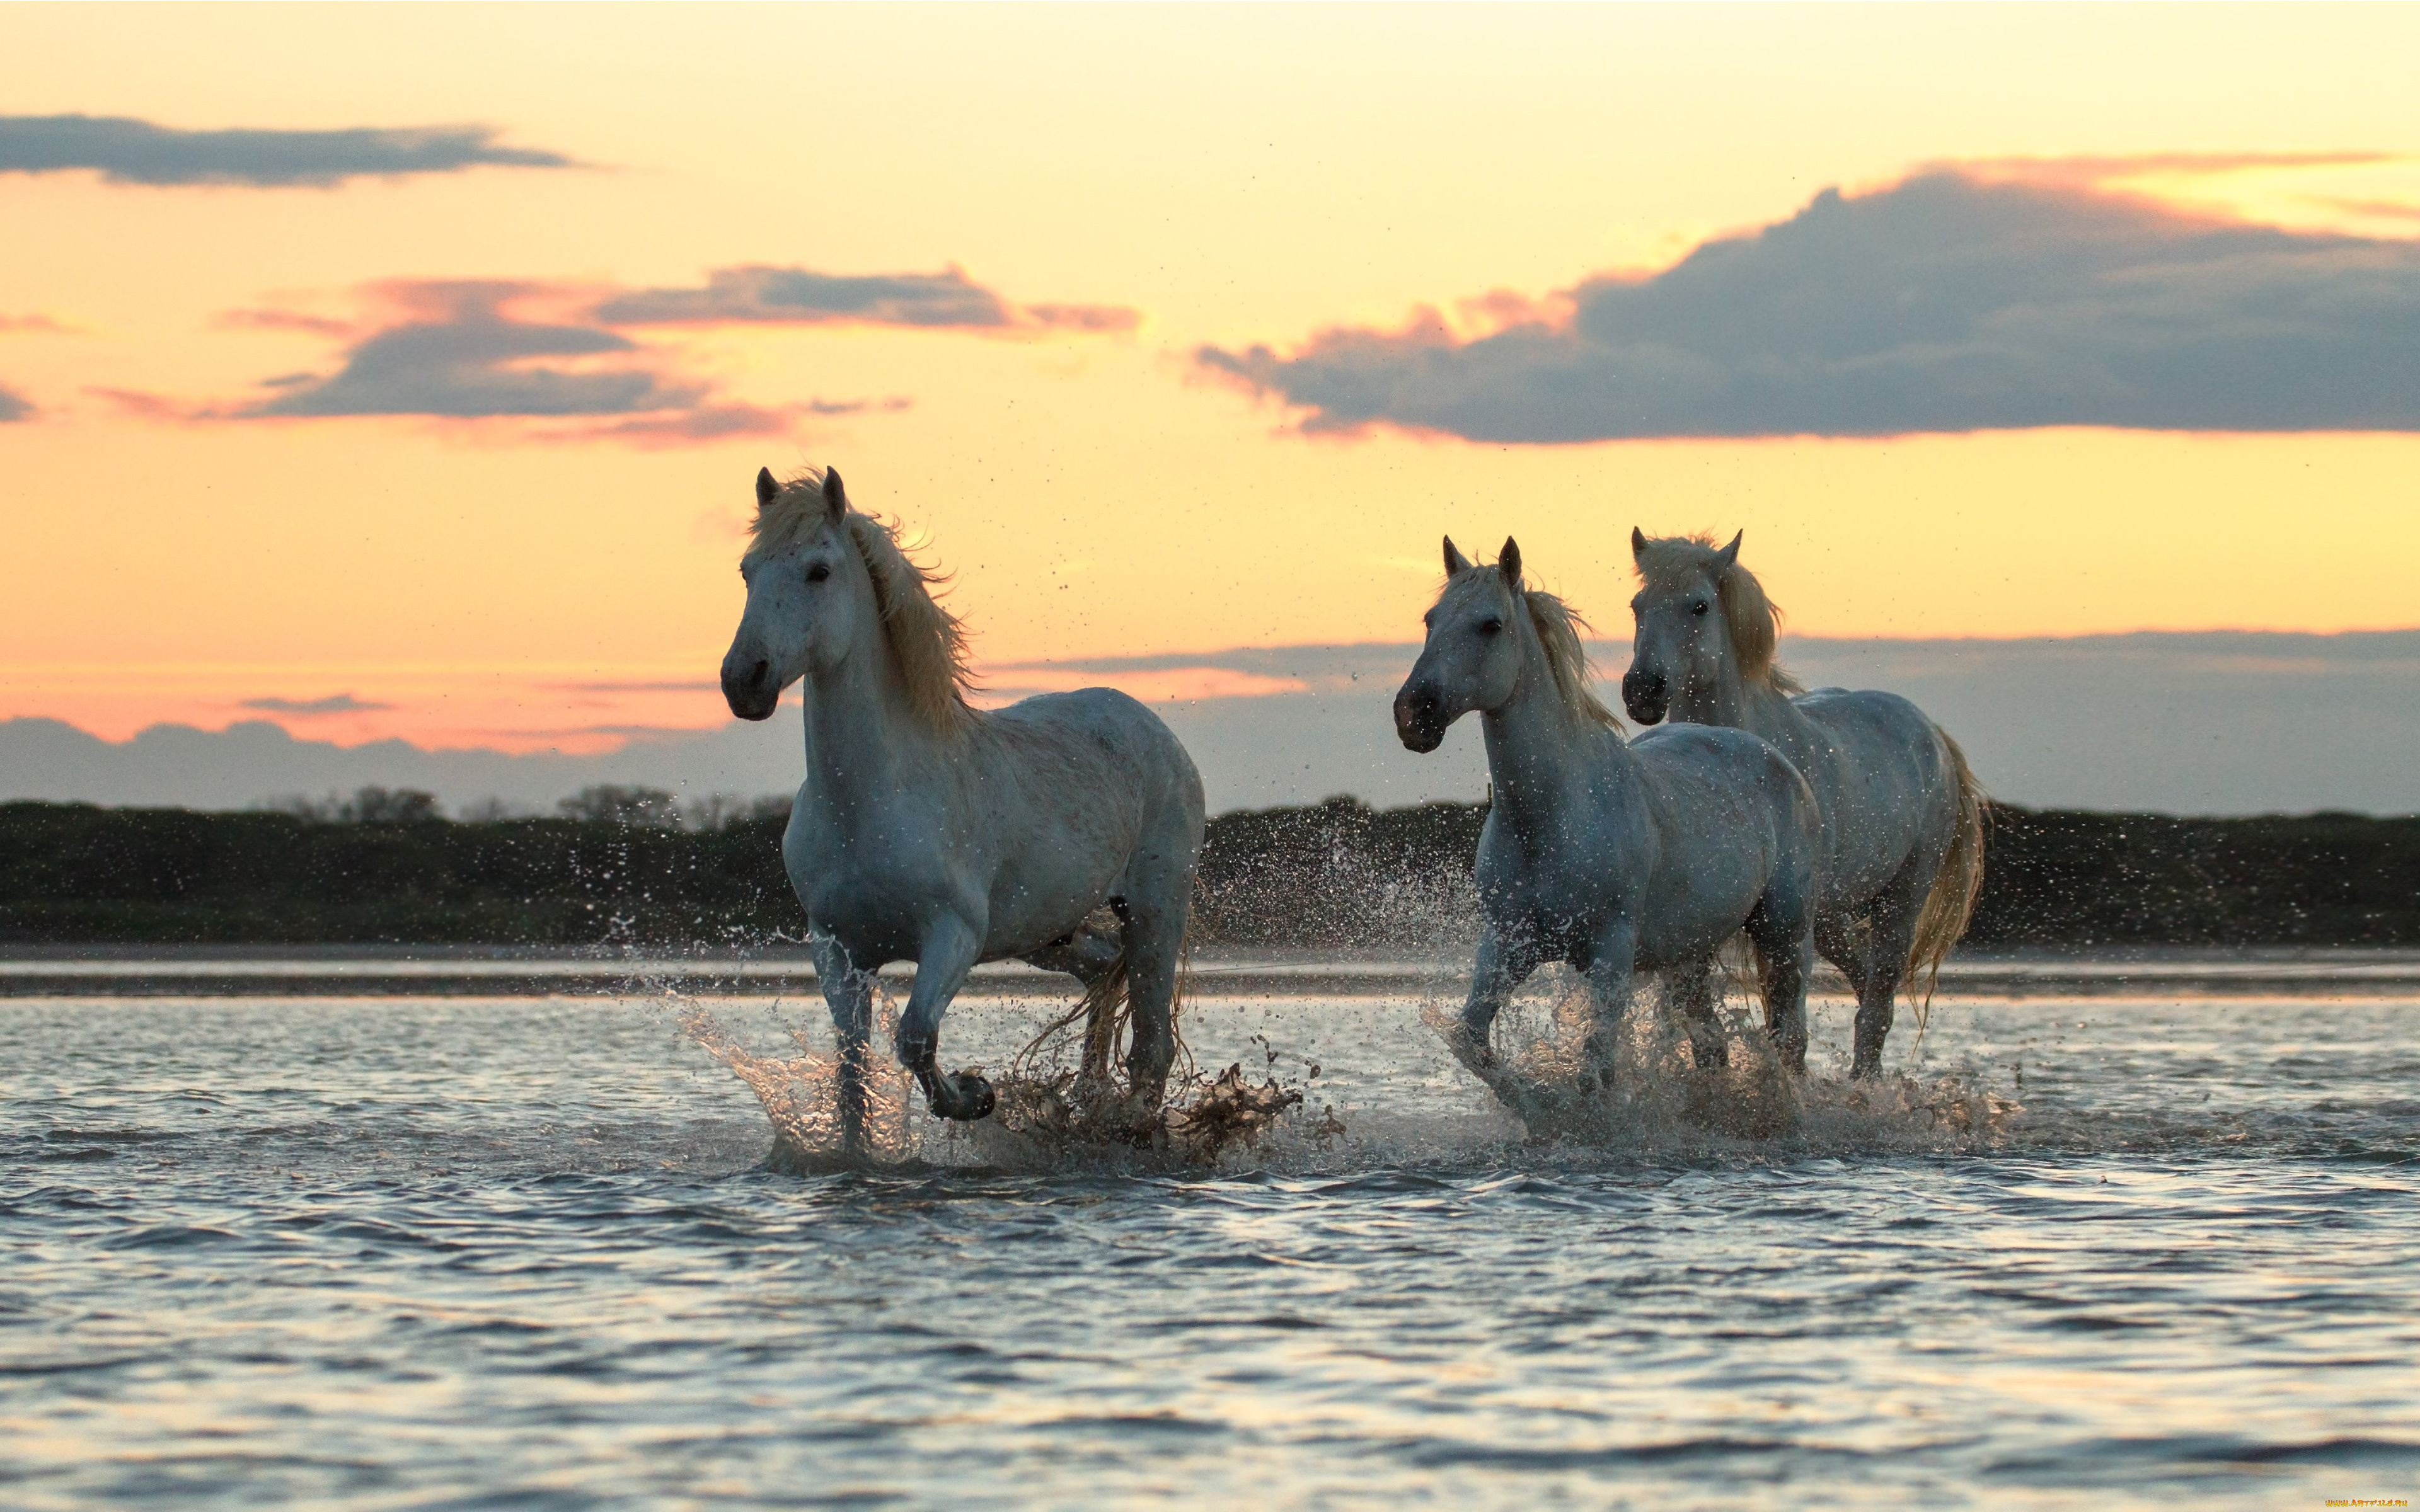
1902	854
931	831
1616	857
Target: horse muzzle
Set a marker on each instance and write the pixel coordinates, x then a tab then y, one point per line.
751	688
1419	722
1645	694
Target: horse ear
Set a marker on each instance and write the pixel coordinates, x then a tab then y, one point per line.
1509	564
835	500
1729	555
1455	563
1637	543
766	486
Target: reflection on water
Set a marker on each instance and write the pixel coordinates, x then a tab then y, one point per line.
393	1251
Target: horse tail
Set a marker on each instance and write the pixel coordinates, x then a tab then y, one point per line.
1106	1012
1950	903
1184	1054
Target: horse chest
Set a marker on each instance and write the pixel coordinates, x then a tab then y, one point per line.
1551	902
869	881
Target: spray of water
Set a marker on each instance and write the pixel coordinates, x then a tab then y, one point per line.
801	1099
1648	1097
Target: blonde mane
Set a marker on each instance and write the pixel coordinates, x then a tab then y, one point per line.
928	639
1558	626
1752	620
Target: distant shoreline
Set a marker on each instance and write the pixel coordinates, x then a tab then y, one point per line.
1337	879
400	972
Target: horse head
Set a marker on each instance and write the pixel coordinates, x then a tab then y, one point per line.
1683	613
810	596
1472	658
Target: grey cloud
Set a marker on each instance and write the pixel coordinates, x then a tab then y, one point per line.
466	349
1942	304
800	296
130	151
13	406
1308	664
334	703
463	358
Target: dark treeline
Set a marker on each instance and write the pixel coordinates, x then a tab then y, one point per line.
1335	875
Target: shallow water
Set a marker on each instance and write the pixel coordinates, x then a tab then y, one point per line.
471	1252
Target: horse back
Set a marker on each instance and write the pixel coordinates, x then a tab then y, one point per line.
1736	823
1886	783
1073	792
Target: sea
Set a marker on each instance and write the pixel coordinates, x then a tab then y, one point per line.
2114	1232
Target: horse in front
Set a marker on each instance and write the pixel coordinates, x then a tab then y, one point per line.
1902	852
1062	830
1615	855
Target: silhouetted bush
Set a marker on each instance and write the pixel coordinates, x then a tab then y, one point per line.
1335	875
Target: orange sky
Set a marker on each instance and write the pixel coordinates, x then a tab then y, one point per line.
1236	177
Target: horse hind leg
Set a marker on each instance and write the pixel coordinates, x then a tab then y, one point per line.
1886	944
1154	956
1690	991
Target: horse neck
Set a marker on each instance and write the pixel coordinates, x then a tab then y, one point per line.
860	729
1538	746
1732	700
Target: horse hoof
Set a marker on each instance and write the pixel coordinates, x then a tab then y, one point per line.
1471	1049
971	1097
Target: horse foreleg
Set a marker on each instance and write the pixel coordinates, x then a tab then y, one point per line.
849	993
1784	936
1499	969
1611	963
951	949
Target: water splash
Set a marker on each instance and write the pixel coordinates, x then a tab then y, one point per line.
1650	1098
801	1096
1049	1116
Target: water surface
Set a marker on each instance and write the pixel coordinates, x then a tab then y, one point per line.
390	1252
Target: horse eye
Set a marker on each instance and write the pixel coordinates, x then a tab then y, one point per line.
1490	625
818	572
1697	607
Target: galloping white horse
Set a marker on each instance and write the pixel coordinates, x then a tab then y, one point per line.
931	831
1616	857
1903	816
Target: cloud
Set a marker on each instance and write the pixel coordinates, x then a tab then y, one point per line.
703	422
130	151
2096	171
334	703
948	299
462	354
32	324
14	408
316	325
1946	302
495	351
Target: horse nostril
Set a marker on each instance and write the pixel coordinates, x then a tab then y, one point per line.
756	674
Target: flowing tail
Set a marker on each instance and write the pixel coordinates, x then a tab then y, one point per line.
1105	1010
1955	887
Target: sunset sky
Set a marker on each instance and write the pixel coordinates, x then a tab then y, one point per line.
430	407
